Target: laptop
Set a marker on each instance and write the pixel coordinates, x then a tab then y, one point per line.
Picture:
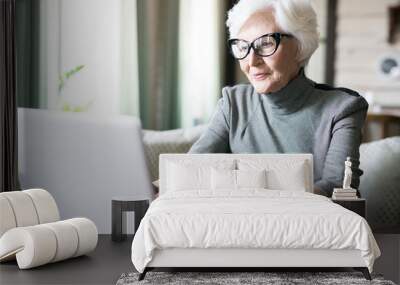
83	160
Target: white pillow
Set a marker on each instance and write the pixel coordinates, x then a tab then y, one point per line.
281	174
185	175
223	179
251	179
237	179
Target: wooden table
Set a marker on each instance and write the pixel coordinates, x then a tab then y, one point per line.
384	118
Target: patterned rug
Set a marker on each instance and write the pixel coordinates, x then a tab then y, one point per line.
243	278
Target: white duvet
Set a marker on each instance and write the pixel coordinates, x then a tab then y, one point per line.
250	219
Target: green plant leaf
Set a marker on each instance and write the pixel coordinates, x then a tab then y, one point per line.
78	109
66	75
66	107
60	83
79	67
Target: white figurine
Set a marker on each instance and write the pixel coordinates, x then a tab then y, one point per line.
347	174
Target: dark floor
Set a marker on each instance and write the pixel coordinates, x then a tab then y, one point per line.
111	259
102	266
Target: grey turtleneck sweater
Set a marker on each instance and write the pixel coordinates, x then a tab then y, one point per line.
302	117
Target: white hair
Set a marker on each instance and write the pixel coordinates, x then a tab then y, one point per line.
295	17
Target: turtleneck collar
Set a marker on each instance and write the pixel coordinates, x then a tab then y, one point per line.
290	98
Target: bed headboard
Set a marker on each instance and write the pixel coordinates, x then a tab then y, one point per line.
281	166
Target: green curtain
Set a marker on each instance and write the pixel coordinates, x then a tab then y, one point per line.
27	54
158	63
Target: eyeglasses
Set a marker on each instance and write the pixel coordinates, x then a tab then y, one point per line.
264	46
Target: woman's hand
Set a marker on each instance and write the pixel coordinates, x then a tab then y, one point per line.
320	192
156	188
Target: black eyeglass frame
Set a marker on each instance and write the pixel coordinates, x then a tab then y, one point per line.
277	36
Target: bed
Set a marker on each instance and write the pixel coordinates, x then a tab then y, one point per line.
247	210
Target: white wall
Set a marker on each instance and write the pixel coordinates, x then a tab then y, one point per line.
315	69
200	59
90	33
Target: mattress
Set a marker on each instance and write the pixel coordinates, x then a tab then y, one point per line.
250	219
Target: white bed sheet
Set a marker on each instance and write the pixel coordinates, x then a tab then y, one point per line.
251	218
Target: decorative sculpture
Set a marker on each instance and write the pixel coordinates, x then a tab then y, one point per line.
347	174
345	193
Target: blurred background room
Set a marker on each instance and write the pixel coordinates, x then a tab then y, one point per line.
166	61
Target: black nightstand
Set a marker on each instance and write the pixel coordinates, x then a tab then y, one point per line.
356	205
125	204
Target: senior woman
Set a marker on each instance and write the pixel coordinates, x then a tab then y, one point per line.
281	110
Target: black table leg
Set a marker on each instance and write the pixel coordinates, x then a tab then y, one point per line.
116	217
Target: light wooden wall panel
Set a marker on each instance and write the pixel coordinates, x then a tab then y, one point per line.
362	32
364	7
